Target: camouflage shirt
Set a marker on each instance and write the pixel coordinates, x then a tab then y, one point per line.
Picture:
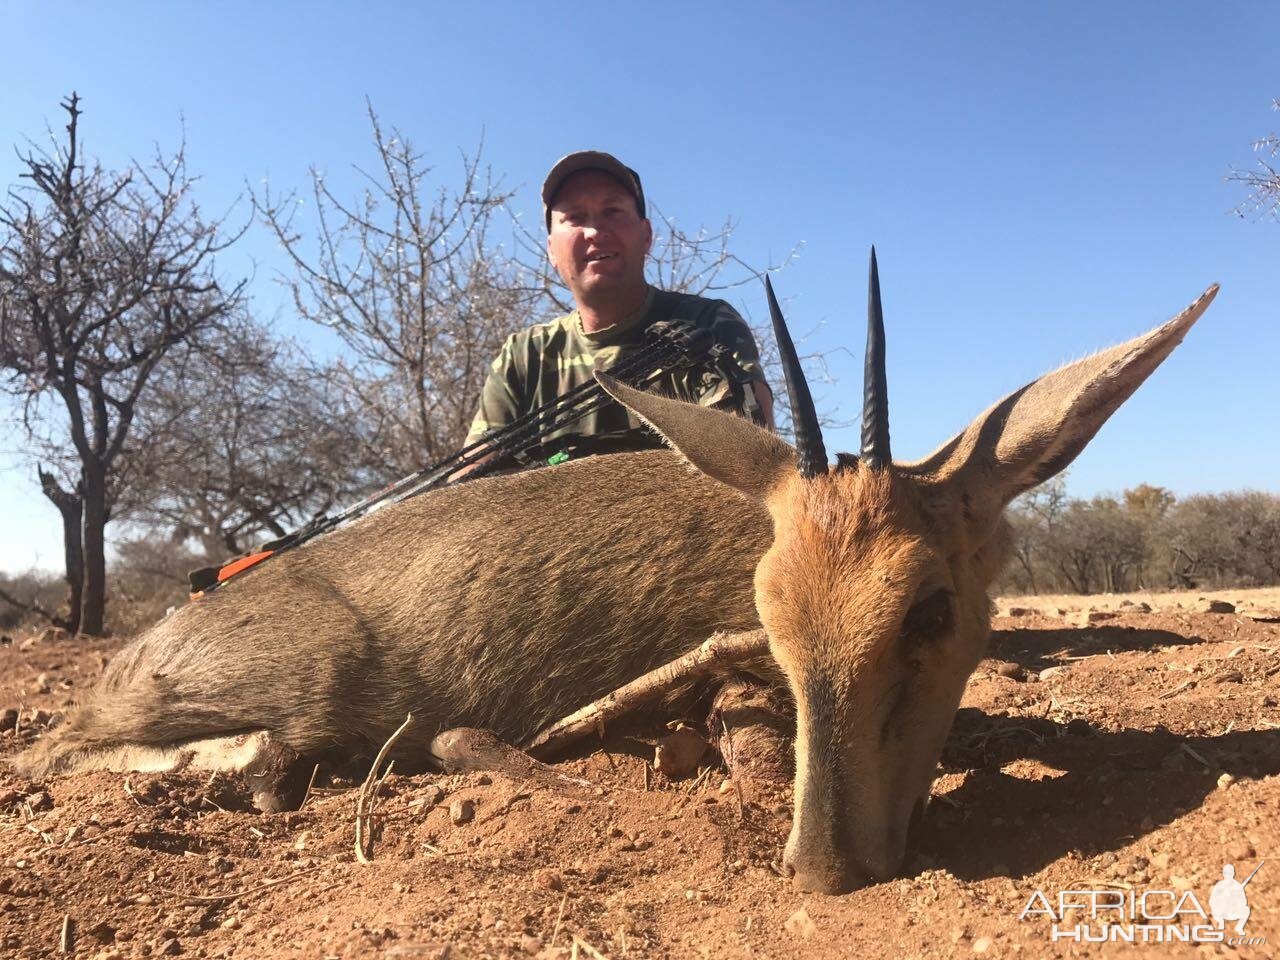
547	360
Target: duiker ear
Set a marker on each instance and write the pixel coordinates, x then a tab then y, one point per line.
730	449
1035	432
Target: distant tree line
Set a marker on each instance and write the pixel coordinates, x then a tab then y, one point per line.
149	395
1145	539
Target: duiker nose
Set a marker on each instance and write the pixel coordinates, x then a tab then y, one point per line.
822	875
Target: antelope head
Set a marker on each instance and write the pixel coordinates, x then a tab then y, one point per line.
874	591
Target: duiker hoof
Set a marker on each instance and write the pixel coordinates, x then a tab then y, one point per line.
278	777
754	725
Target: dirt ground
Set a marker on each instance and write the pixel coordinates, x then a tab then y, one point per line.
1132	752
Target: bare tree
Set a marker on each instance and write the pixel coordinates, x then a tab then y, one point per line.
411	280
1263	182
1225	539
102	274
1032	519
243	439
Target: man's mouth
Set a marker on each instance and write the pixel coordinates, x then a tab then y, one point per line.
597	257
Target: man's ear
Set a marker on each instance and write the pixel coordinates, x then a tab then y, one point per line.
648	243
1035	432
725	447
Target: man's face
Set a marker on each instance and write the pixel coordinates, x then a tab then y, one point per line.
598	241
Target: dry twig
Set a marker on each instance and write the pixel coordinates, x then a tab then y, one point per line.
1178	689
310	786
720	650
368	793
225	897
555	931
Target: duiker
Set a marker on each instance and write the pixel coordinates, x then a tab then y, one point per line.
505	603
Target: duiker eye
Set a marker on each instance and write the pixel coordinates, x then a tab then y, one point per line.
929	617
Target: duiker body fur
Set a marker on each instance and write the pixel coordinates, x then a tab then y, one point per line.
506	603
503	603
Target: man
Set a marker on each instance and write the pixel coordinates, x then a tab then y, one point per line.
598	237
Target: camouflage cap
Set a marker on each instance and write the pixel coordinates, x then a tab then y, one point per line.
568	165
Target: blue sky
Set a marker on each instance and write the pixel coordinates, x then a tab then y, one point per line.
1040	180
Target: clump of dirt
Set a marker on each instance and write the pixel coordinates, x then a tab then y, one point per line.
1135	751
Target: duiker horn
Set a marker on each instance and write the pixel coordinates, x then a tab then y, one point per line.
875	387
811	455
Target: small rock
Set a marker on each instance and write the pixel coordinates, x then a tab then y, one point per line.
170	947
1241	850
982	945
8	718
1205	605
1142	607
102	931
1083	618
1161	861
231	923
1049	672
1225	781
40	801
1021	612
431	795
1181	883
1013	671
799	924
678	754
1229	676
530	944
462	811
549	880
1079	727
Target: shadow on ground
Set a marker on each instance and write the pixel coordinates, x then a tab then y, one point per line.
1091	790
